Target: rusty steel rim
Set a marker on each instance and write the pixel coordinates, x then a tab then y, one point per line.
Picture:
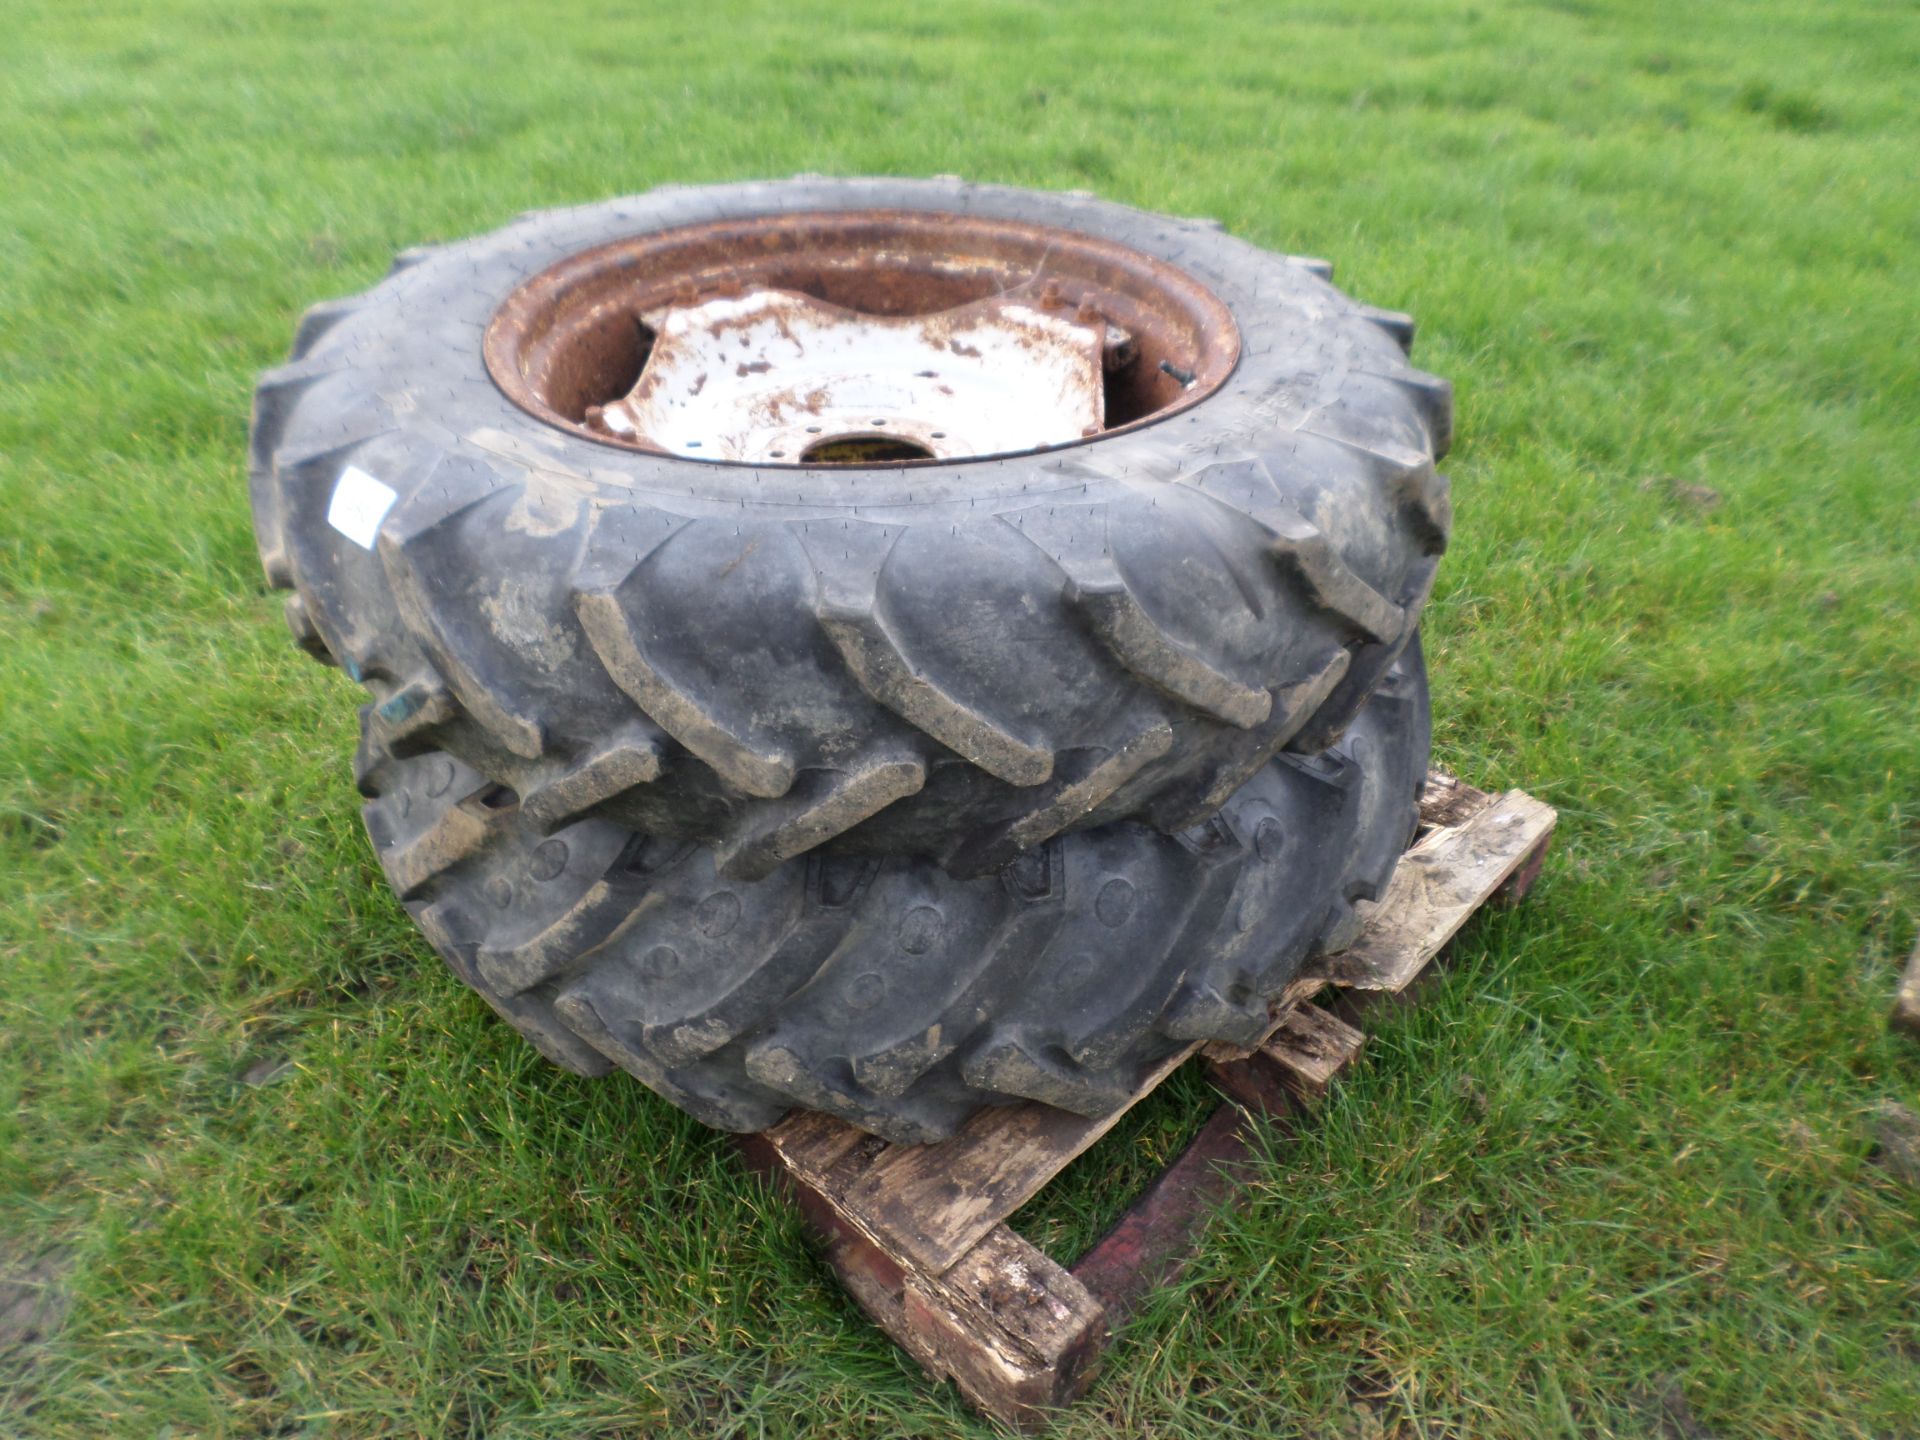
573	345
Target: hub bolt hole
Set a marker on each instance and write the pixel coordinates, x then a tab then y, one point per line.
863	450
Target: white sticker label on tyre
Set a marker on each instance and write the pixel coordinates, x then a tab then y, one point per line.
360	503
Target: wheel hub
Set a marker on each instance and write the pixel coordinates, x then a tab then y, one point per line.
774	376
861	338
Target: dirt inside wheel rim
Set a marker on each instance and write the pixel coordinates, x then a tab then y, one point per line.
576	345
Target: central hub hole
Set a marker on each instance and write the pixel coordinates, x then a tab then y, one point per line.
863	450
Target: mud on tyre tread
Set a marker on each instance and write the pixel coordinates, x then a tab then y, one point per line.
958	661
883	990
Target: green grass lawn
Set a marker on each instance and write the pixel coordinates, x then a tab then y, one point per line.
276	1173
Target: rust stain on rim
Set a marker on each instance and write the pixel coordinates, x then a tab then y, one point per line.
572	338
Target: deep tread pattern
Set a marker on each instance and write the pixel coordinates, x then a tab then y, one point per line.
305	633
319	320
977	969
1425	498
1198	882
823	805
406	719
1420	493
275	397
1015	1060
1182	810
1302	549
1433	398
1370	663
878	660
552	951
723	1111
520	733
725	1012
1397	325
456	835
1083	547
885	991
851	612
625	760
1072	798
668	705
445	926
959	662
411	256
1116	617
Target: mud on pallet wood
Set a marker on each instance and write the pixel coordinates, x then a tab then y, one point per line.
918	1234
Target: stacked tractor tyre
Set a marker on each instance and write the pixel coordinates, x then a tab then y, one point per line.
890	791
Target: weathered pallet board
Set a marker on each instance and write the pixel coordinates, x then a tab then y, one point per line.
1297	1065
1018	1335
1448	874
903	1197
918	1234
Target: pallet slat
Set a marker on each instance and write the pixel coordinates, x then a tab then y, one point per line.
1296	1066
1006	1291
1447	800
1311	1049
1014	1331
905	1197
1438	884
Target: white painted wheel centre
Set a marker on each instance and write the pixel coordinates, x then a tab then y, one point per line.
778	377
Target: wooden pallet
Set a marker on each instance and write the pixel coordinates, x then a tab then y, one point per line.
918	1234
